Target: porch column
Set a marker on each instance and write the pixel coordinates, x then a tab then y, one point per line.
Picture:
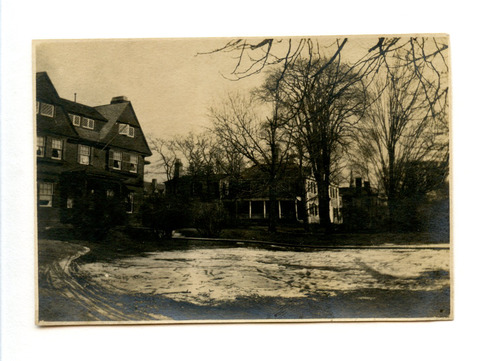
279	203
249	209
296	209
264	209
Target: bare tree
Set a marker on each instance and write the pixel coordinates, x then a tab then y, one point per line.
228	161
325	95
199	151
322	104
252	56
261	140
403	138
168	155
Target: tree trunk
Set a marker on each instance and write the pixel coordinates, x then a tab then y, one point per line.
302	208
323	192
391	189
273	211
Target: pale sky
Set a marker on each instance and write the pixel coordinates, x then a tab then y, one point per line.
171	87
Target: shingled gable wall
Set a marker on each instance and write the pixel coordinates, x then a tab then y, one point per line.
58	175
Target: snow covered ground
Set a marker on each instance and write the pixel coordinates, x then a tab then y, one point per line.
243	283
214	276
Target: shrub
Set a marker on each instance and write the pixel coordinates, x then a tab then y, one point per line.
93	218
163	214
209	218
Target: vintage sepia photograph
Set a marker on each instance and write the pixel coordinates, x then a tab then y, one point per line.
208	180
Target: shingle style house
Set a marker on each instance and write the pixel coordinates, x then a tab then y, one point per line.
86	156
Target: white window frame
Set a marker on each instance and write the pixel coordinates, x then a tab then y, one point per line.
87	123
57	144
45	194
83	155
40	146
75	119
134	163
126	129
47	110
118	158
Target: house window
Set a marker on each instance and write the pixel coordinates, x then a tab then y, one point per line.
75	119
57	149
109	193
45	194
69	203
129	202
134	161
40	146
47	110
83	154
125	129
87	123
312	187
116	159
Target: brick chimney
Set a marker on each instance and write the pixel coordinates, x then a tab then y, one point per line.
358	185
178	168
367	186
119	99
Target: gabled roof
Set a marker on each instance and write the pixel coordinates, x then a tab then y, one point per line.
58	124
122	113
113	112
119	111
81	109
45	90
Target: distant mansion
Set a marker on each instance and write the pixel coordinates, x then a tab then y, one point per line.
247	196
86	156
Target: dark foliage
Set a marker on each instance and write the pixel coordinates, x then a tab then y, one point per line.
210	218
94	216
163	214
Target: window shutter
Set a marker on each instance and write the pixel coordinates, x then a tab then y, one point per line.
122	128
126	162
